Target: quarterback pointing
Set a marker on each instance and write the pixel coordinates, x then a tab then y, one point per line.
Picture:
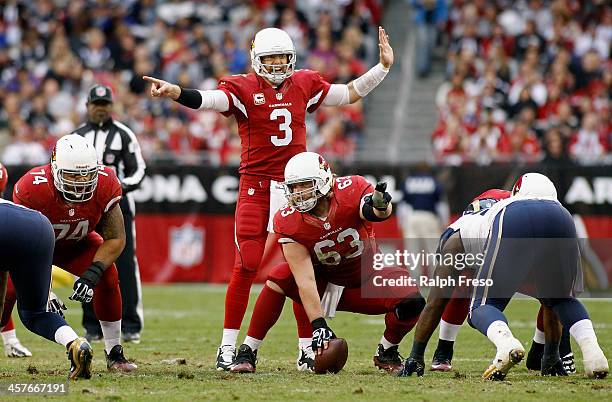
270	106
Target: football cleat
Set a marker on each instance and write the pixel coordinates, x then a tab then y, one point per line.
388	359
508	355
595	362
116	361
305	360
225	357
568	363
16	349
534	357
246	360
442	360
131	337
80	355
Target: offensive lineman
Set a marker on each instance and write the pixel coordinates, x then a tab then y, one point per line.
327	238
269	106
81	199
534	218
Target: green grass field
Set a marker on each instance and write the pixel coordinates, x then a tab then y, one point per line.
185	321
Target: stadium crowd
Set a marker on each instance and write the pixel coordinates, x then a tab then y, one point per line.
528	81
53	51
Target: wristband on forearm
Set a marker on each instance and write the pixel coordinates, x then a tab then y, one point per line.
94	272
190	98
319	323
370	80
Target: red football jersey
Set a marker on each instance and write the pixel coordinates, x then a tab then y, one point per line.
338	244
272	121
71	221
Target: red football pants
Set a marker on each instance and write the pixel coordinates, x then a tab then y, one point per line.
251	231
269	304
76	259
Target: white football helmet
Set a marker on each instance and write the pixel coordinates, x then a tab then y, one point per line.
307	167
534	185
271	41
74	166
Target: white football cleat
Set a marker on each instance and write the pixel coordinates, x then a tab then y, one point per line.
225	357
16	349
305	360
594	360
508	355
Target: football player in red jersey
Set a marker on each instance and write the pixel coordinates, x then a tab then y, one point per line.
328	241
12	345
81	199
270	106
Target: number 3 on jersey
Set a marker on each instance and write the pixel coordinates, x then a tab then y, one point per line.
285	126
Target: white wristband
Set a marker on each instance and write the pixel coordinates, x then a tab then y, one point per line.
370	80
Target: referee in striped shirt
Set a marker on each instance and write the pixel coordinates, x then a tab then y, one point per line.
118	148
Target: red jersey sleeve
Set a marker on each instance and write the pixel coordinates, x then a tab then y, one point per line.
362	186
21	193
285	224
318	90
231	86
109	189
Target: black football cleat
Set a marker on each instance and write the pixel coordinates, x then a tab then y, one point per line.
534	357
388	359
443	356
116	361
246	360
80	355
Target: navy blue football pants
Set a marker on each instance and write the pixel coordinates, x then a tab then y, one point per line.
532	244
27	241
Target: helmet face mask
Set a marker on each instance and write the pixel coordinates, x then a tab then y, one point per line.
74	166
273	42
303	194
77	185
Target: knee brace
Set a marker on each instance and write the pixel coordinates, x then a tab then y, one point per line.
251	236
251	252
410	307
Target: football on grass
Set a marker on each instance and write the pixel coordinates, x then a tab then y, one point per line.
333	358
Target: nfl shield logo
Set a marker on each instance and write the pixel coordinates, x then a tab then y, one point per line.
186	246
279	96
71	212
100	91
327	226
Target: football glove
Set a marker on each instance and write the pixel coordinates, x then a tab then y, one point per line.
380	199
56	305
84	286
321	334
413	365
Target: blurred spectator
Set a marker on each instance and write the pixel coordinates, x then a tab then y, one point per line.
542	72
588	145
429	15
51	55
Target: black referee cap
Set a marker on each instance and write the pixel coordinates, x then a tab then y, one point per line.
100	93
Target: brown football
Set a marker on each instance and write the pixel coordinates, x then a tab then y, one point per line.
333	358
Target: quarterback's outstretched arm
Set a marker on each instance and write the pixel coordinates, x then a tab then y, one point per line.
193	98
343	94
